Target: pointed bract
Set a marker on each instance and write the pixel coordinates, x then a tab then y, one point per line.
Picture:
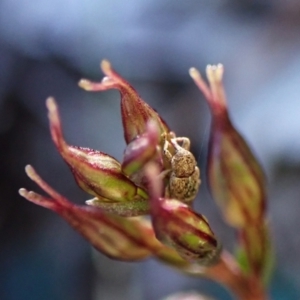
136	113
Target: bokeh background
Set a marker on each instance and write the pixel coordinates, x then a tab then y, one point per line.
47	46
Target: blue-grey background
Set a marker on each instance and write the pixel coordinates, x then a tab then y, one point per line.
47	46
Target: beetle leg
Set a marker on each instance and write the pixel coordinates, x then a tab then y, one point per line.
185	142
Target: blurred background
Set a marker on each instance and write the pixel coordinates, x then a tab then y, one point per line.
47	46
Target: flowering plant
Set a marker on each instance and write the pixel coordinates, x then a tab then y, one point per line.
159	177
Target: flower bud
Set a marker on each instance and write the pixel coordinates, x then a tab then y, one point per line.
98	174
135	112
128	239
186	231
178	226
112	235
236	179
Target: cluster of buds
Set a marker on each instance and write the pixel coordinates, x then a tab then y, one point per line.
159	177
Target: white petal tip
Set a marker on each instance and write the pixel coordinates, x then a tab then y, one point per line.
85	84
51	104
30	171
215	72
23	192
105	66
194	73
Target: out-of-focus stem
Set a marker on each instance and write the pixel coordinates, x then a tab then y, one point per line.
226	272
229	275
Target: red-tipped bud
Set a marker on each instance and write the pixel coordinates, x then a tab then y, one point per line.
236	179
135	112
116	237
98	174
178	226
129	239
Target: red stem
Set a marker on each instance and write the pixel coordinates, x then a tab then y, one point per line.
227	273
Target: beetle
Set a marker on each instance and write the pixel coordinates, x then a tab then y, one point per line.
183	172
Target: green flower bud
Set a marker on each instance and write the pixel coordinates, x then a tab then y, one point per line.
99	174
128	239
116	237
236	179
179	227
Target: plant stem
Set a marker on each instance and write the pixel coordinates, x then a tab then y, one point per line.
228	273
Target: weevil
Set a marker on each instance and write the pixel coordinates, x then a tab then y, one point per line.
183	174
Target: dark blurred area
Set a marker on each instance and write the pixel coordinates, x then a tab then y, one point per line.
47	46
